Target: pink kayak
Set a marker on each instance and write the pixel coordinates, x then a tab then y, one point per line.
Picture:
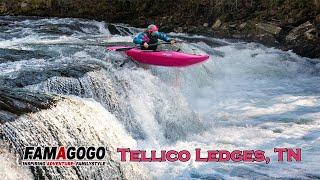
162	58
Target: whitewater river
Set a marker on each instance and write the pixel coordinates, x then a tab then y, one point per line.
247	96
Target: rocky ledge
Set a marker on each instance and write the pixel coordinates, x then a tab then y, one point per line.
16	102
287	24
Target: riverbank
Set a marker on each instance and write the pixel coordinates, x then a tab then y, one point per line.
285	24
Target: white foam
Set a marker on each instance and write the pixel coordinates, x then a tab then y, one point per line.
249	97
9	168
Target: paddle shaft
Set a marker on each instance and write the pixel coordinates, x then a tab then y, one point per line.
155	44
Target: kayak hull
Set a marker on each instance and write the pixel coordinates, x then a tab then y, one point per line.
163	58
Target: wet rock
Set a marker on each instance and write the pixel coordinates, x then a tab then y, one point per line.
304	40
191	29
32	76
269	28
11	55
3	8
233	26
311	34
113	29
300	32
217	24
243	25
237	36
317	4
291	20
317	23
224	27
178	30
15	102
25	7
318	18
7	116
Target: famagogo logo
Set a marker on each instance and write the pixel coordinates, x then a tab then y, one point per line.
64	156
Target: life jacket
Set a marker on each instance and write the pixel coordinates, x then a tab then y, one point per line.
152	39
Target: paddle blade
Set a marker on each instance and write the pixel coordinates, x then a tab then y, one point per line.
118	48
115	48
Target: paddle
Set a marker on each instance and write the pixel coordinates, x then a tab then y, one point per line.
137	46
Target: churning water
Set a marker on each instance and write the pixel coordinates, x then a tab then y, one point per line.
247	96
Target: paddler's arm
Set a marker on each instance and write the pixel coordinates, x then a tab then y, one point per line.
138	39
165	38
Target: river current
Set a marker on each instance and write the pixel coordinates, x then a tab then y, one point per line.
246	96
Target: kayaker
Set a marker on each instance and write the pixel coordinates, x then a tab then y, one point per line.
149	38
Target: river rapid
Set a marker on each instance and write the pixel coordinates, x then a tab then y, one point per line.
246	96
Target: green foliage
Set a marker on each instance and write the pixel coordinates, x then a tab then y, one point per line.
276	2
301	3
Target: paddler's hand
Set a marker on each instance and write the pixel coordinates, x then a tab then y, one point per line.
145	45
173	41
